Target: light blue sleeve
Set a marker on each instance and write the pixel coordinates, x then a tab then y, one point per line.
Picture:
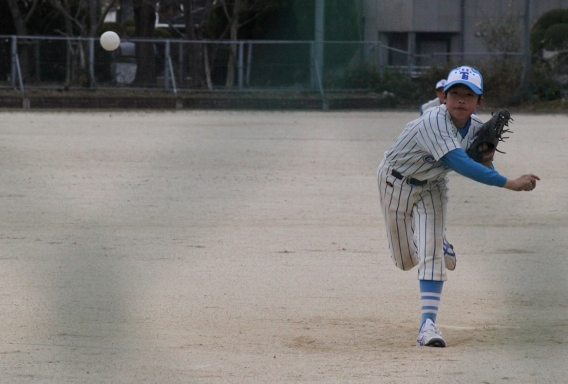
465	166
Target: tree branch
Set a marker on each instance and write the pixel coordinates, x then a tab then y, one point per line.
31	11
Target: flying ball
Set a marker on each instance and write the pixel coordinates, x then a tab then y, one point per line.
110	41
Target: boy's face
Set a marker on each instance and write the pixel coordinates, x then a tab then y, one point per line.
461	102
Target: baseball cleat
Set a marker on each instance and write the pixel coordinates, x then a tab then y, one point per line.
449	256
430	336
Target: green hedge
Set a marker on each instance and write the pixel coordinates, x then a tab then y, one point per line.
501	82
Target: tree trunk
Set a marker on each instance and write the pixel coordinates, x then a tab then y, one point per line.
233	34
207	68
21	30
198	62
145	23
93	8
71	75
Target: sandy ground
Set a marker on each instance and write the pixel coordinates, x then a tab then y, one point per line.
248	247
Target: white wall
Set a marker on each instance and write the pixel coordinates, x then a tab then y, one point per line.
384	16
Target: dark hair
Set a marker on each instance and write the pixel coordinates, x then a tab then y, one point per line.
446	92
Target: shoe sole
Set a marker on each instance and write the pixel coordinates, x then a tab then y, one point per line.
437	343
449	257
450	262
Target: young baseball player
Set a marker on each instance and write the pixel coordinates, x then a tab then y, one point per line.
440	96
413	194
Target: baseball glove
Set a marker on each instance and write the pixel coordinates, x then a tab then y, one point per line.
489	135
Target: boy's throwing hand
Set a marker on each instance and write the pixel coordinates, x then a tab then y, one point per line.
522	183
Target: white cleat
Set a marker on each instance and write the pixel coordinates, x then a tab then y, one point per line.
430	336
449	256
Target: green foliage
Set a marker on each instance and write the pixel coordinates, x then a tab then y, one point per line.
129	27
254	21
269	21
543	86
501	78
304	12
548	31
295	20
537	40
404	88
115	27
502	73
341	20
364	76
162	33
501	35
432	75
341	25
548	19
555	37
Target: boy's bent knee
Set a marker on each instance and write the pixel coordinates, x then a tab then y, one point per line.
404	266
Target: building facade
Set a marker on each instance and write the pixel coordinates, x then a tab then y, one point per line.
429	27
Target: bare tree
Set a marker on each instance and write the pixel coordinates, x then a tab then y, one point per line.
233	18
238	14
196	18
197	15
21	22
145	24
86	16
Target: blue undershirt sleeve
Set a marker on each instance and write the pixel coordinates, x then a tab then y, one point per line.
465	166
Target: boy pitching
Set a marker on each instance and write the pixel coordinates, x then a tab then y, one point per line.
440	97
413	194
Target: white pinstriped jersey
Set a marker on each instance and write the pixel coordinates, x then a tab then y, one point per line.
430	104
418	149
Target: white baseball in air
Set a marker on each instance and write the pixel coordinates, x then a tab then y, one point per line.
110	40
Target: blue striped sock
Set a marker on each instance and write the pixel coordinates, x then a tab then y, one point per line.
430	295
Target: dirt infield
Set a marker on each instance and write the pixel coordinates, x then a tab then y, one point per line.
248	247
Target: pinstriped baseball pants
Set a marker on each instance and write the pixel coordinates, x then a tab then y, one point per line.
415	221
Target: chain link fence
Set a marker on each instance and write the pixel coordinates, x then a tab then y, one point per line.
177	66
54	62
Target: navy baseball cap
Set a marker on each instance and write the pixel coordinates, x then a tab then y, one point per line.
467	76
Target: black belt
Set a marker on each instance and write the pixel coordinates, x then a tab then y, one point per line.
409	180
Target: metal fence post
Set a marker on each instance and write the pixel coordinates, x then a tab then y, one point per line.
249	63
169	62
180	63
241	65
381	68
92	62
37	61
14	52
17	69
325	104
313	65
411	51
167	67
